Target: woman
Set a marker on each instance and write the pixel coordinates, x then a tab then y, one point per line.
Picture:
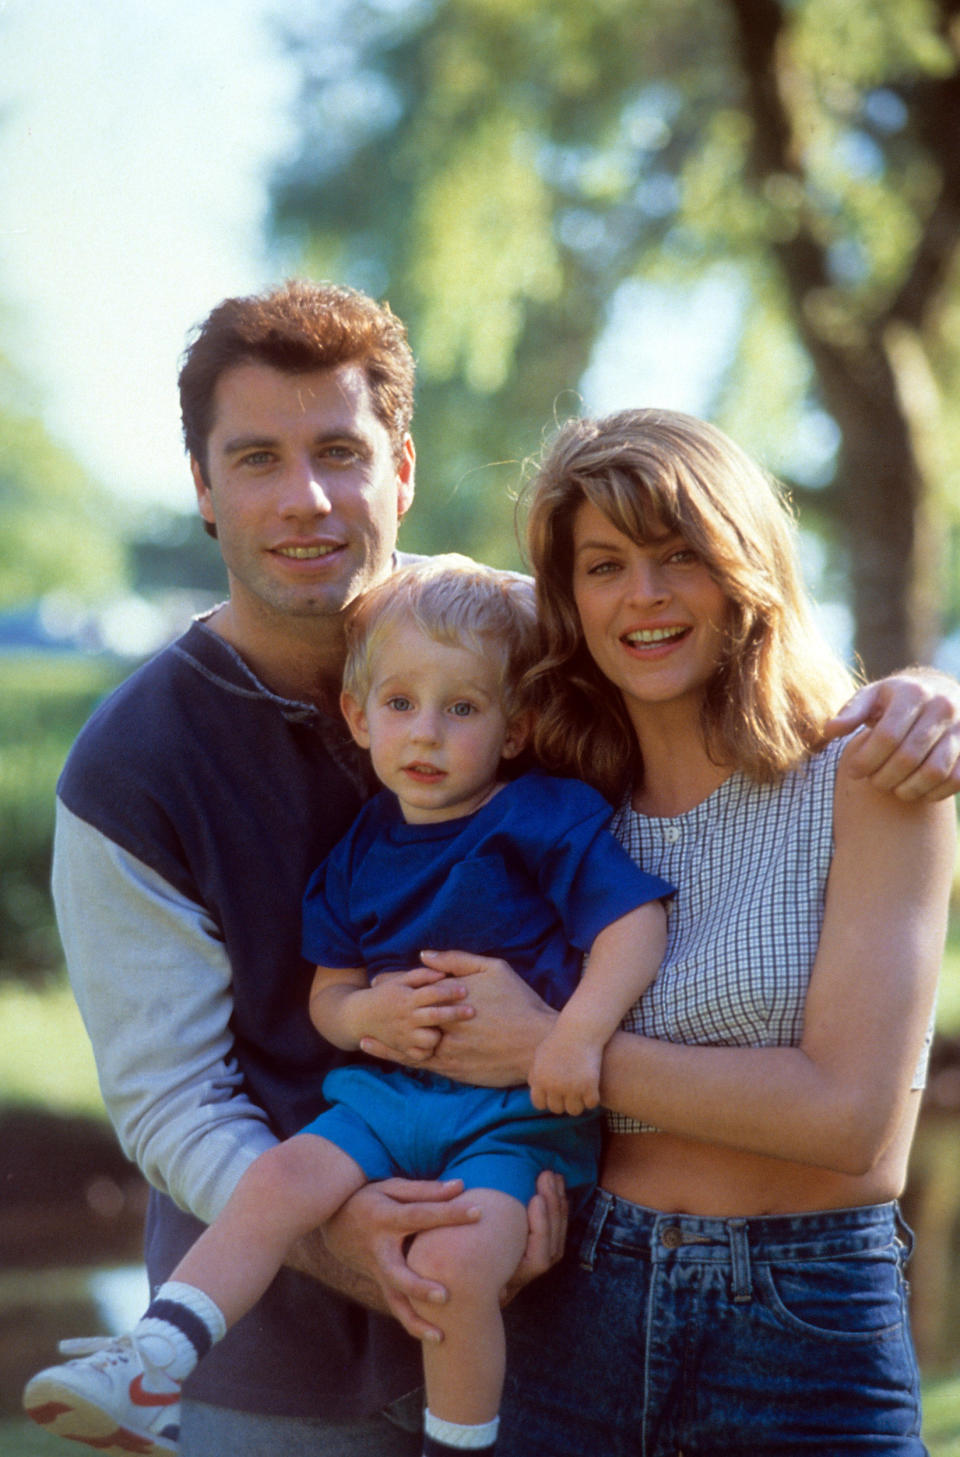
736	1286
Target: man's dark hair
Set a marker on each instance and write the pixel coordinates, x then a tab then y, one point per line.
297	328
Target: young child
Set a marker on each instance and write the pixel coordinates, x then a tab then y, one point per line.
452	854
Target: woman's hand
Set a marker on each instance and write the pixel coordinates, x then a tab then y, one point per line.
494	1046
912	744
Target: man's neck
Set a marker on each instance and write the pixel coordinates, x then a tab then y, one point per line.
299	658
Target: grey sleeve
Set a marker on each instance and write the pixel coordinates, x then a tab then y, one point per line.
153	984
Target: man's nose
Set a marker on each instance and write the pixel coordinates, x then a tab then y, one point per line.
304	492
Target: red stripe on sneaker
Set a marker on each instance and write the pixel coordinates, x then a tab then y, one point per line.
121	1439
140	1397
48	1412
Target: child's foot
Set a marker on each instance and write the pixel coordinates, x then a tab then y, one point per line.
113	1399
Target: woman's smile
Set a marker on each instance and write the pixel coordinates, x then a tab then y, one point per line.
652	613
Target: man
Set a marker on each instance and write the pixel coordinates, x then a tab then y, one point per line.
191	812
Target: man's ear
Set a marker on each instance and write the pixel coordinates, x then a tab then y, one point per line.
203	492
405	477
356	719
518	735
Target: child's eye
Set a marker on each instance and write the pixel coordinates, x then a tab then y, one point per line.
399	703
462	710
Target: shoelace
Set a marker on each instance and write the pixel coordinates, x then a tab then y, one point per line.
91	1345
111	1349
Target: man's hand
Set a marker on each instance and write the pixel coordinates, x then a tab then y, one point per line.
369	1234
912	743
547	1215
367	1240
493	1048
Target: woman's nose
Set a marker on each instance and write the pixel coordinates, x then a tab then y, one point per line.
647	583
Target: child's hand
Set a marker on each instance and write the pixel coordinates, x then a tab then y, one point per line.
565	1075
407	1011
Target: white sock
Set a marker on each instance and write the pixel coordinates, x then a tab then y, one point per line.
179	1327
456	1434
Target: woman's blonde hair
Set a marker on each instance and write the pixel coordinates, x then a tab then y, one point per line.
455	601
653	470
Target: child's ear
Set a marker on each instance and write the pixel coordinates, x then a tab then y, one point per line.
356	718
519	731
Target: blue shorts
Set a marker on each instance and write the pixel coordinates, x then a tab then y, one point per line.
418	1125
771	1337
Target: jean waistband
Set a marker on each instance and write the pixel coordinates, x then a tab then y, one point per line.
648	1233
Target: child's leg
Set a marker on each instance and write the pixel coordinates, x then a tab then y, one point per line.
285	1193
464	1372
124	1394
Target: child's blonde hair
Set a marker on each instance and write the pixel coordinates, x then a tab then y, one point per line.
455	601
649	471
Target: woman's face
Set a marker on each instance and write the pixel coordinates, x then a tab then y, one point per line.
651	613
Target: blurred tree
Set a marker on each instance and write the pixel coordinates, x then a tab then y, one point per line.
58	532
502	171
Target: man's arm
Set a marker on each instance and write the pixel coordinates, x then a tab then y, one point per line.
152	982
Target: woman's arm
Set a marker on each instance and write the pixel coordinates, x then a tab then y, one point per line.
837	1100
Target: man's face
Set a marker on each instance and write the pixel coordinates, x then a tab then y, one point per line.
303	488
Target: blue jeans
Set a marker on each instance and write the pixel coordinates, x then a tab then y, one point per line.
217	1431
667	1334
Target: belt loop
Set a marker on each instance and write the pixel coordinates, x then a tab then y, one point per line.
602	1204
740	1260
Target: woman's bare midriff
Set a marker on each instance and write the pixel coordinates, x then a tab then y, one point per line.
682	1176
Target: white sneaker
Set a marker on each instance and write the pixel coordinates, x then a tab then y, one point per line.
112	1399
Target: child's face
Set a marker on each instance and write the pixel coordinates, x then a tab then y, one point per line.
435	725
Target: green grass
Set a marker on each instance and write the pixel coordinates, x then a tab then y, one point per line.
46	1057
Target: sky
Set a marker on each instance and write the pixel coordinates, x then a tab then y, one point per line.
136	139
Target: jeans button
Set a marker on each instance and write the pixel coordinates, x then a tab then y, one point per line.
672	1237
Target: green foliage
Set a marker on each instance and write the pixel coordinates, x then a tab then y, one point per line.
500	170
59	532
43	703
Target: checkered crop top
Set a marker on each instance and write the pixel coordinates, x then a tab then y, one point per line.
750	864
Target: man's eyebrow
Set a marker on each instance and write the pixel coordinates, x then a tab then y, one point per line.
270	442
248	442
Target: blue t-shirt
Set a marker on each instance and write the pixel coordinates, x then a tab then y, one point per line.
532	876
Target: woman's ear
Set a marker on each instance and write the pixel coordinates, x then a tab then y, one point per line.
356	719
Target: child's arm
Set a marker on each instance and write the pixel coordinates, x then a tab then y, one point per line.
406	1011
623	961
